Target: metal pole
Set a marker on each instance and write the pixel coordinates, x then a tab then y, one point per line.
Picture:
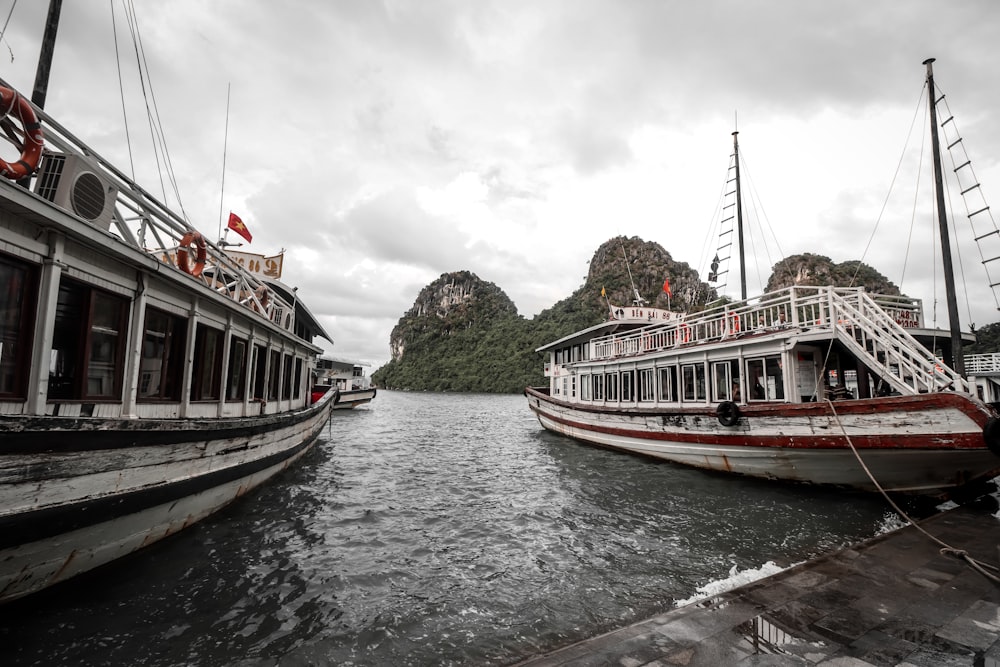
957	362
45	56
739	219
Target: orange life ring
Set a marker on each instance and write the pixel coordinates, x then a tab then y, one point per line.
31	151
183	258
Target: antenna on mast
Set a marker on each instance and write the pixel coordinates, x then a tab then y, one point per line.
636	300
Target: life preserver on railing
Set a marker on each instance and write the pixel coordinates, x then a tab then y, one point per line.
263	295
184	250
31	150
734	327
728	413
683	333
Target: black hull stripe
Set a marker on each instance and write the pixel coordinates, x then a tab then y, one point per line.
40	524
34	435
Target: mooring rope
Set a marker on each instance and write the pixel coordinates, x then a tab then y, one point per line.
946	549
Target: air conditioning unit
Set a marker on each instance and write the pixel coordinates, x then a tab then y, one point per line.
72	183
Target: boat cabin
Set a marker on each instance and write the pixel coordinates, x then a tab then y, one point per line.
797	345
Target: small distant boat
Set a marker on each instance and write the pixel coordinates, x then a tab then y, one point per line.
814	384
146	379
346	380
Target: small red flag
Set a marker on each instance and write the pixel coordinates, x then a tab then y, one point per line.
666	286
237	226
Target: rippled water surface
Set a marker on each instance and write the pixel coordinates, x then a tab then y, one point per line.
430	529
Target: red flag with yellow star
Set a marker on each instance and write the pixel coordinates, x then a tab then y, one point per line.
237	226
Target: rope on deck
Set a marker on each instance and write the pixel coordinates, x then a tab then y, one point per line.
984	569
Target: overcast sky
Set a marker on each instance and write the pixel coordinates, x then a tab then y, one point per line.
382	144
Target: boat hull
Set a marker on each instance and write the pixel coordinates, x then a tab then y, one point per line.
915	444
102	489
350	399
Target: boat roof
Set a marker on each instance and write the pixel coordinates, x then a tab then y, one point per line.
301	311
601	329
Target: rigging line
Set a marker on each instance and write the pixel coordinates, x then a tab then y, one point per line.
915	205
958	252
153	116
975	234
121	90
946	549
892	183
7	22
130	17
756	203
712	228
225	145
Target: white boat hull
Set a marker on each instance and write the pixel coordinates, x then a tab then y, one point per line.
348	400
63	515
907	447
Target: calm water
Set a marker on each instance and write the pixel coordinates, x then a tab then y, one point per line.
430	530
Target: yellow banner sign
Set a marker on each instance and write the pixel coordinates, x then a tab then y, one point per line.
258	265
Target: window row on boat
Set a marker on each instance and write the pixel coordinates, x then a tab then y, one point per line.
699	381
82	333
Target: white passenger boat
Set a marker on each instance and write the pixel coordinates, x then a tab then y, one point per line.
347	380
815	384
146	380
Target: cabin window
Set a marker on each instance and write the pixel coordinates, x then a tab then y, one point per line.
286	378
236	380
726	381
611	386
598	384
647	390
259	371
17	315
297	386
162	359
668	383
693	382
207	370
273	375
765	380
586	384
88	343
572	386
628	386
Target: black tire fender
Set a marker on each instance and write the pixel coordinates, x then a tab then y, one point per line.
728	413
991	435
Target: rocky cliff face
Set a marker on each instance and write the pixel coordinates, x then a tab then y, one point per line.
810	269
455	300
621	261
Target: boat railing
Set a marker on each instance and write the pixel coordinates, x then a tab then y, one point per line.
982	364
865	327
793	306
142	221
873	326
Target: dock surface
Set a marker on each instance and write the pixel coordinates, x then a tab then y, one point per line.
893	600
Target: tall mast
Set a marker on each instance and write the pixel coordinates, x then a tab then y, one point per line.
957	361
45	56
739	218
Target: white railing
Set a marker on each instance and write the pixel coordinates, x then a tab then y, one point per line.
873	327
979	364
143	222
869	331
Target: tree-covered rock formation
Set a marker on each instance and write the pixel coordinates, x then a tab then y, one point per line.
464	334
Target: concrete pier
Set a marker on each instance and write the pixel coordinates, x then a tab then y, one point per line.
893	600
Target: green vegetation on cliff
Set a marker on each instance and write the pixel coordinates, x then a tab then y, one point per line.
464	334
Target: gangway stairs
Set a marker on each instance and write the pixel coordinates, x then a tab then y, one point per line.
870	333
